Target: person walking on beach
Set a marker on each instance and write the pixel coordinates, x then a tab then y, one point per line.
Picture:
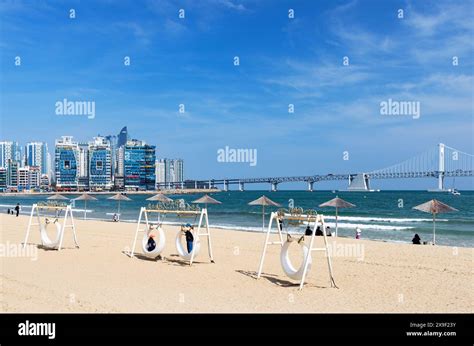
416	239
17	209
358	232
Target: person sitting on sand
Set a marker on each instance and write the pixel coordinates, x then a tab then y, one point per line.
115	218
416	239
328	231
308	231
319	232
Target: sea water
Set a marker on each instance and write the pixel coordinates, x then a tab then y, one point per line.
385	215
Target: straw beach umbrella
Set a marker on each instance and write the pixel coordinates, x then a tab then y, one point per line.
337	203
57	197
119	197
85	197
206	199
434	207
160	198
263	201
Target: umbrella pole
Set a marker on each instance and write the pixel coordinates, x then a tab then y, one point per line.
336	221
85	208
118	210
434	228
263	218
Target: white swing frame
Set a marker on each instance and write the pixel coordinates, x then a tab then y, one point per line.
35	212
203	217
315	219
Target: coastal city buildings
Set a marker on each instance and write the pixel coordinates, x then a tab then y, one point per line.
36	154
66	163
139	165
106	163
169	171
100	164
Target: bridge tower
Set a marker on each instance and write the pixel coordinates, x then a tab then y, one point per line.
241	186
441	168
226	185
310	186
359	182
274	186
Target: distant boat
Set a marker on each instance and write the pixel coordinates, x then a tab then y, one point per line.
455	192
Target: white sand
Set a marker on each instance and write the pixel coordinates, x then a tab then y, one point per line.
99	277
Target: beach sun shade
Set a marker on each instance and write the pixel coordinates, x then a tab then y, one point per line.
119	197
85	197
160	198
57	197
263	201
206	199
337	203
434	207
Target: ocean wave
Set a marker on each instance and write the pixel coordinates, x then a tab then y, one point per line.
381	219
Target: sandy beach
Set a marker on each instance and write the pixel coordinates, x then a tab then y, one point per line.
100	277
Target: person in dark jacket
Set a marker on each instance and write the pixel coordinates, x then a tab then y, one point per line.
416	239
308	231
17	209
318	231
189	237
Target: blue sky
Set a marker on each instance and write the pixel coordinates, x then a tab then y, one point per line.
299	61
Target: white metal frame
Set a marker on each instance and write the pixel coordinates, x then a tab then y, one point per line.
35	212
315	219
203	217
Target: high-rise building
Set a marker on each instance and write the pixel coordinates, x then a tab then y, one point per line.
23	178
174	170
122	137
83	166
12	174
160	171
8	152
139	165
3	179
66	161
37	155
100	164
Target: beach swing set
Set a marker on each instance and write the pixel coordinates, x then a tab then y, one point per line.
202	231
298	274
67	223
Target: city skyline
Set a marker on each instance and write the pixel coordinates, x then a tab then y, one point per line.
424	56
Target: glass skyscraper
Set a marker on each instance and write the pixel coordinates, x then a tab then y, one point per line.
139	166
66	163
37	155
100	164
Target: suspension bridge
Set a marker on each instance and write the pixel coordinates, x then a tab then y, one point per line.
439	162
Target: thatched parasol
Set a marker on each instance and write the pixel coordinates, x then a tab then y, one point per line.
434	207
263	201
337	203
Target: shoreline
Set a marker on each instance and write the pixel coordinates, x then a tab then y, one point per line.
153	192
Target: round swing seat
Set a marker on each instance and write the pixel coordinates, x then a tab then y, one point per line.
45	240
287	266
182	251
160	244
